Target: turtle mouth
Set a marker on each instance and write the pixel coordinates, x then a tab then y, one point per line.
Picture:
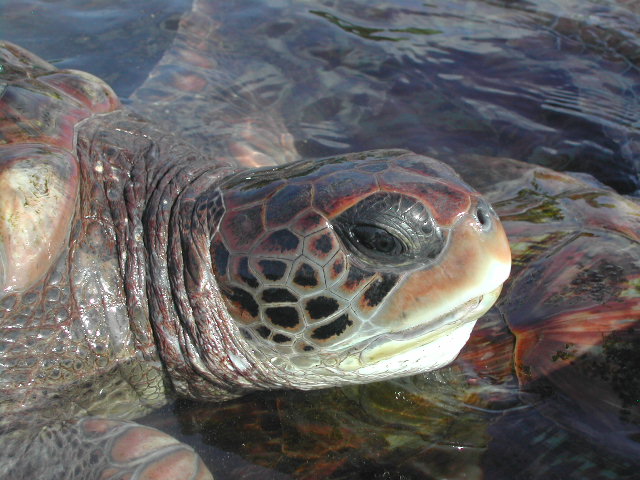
388	346
449	321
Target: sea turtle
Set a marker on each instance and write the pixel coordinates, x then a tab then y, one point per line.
134	266
546	387
102	306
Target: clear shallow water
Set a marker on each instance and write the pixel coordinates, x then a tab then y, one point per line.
553	82
118	41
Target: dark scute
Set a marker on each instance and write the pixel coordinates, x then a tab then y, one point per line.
321	307
379	289
429	168
243	298
324	243
288	203
309	222
221	258
282	241
245	274
273	295
248	189
355	276
279	338
213	216
374	167
241	228
272	269
306	276
263	331
286	317
333	189
307	348
212	199
338	266
335	328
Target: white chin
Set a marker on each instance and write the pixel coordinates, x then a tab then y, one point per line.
409	357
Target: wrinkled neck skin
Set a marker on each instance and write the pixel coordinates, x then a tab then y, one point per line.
163	198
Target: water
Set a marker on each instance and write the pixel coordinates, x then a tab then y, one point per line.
118	41
555	83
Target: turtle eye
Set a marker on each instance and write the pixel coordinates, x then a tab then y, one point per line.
390	230
376	239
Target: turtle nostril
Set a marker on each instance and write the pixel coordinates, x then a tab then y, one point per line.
483	215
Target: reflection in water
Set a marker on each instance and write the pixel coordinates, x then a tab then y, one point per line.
531	82
554	83
117	40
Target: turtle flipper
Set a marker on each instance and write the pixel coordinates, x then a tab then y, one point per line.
98	448
39	175
221	99
38	190
136	451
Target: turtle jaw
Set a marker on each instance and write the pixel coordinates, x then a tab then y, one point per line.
428	346
475	265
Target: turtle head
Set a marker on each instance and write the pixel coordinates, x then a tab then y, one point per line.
356	268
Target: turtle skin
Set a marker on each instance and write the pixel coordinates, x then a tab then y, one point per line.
156	270
55	319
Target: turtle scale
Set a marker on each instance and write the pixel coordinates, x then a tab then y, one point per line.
287	203
313	199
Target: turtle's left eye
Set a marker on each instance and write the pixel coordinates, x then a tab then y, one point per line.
376	239
390	230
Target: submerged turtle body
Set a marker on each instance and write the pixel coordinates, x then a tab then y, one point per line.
133	265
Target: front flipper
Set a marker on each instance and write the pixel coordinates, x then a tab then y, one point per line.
38	190
40	107
102	449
